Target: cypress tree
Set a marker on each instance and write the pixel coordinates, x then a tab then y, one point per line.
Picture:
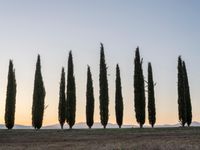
89	100
38	97
139	92
10	98
187	96
118	98
62	105
151	97
103	83
181	97
71	93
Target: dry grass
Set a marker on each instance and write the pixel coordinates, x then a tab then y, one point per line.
109	139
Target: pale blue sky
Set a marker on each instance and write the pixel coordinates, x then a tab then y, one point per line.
162	29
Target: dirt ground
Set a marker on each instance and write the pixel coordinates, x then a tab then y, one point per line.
100	139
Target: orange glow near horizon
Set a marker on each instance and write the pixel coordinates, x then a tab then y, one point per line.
51	117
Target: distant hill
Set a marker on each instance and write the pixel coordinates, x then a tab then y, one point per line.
193	124
97	125
17	127
83	125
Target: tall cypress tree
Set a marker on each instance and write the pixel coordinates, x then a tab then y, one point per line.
181	96
118	98
139	92
10	98
187	96
62	105
89	100
38	97
71	93
103	83
151	97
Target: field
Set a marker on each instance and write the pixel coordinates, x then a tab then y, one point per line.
95	139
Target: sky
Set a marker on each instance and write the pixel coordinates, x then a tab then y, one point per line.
163	30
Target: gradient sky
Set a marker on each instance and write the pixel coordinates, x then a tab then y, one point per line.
162	29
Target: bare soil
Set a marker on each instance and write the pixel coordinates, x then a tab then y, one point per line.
100	139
